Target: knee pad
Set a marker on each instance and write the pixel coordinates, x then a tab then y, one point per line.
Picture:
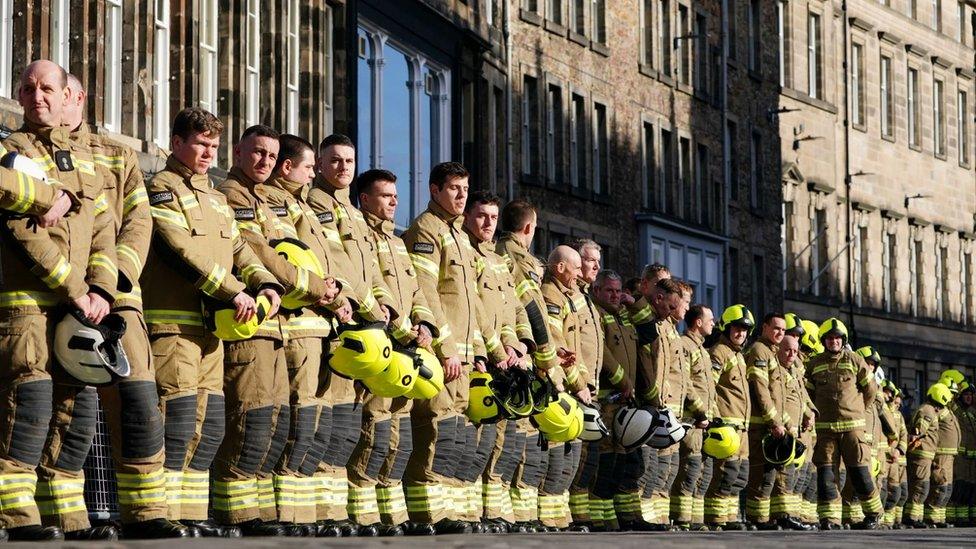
862	481
403	450
320	442
707	471
510	454
892	496
587	467
572	452
77	438
211	434
605	481
945	492
279	439
903	493
551	482
629	471
379	449
32	418
353	419
142	424
693	470
730	474
302	435
257	439
180	419
535	465
486	443
466	448
743	477
344	424
445	447
826	484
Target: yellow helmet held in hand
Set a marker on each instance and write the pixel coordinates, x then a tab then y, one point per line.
430	375
363	351
397	379
218	317
832	327
794	325
810	341
940	394
483	404
721	441
572	432
737	315
300	255
558	416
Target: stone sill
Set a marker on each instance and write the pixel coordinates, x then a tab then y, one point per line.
804	98
602	49
530	17
579	39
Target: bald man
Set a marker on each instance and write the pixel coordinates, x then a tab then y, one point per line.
559	290
48	419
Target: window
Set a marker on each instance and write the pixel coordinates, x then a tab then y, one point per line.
759	285
683	190
294	64
600	21
937	15
601	150
967	288
701	202
783	30
731	159
701	53
915	272
666	45
938	117
819	258
161	75
408	98
684	52
113	66
731	36
555	11
647	32
734	283
788	239
863	264
887	99
498	158
913	9
814	57
208	55
889	260
531	5
857	84
668	172
962	126
6	47
649	166
961	21
577	136
252	86
554	135
755	35
914	131
61	32
941	282
577	16
755	171
530	126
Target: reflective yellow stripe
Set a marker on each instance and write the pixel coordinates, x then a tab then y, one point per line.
110	162
423	264
58	274
248	272
168	316
133	199
101	204
26	299
99	259
213	280
25	193
169	216
127	252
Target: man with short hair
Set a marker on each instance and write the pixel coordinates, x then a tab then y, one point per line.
197	255
137	434
48	425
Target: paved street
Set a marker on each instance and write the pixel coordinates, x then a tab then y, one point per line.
959	537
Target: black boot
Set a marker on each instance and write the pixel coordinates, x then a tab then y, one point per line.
768	526
260	528
327	529
293	530
641	525
733	526
790	523
155	529
367	530
388	530
210	529
827	525
870	522
94	533
582	527
35	532
448	526
412	528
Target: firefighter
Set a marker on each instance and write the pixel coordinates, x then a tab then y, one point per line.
344	225
73	264
614	491
948	437
137	434
559	289
518	223
964	491
841	384
378	201
308	325
445	265
733	404
923	442
787	509
895	455
809	346
768	390
694	468
197	253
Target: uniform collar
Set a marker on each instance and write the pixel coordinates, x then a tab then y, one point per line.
59	136
237	174
563	289
728	342
82	135
380	225
695	336
198	181
342	195
766	342
482	247
286	186
455	221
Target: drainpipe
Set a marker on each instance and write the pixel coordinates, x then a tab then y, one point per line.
507	30
726	143
848	180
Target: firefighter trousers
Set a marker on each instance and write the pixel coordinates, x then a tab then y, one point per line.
368	457
500	471
564	459
190	383
659	476
690	468
389	487
345	418
941	490
722	495
530	469
767	483
293	483
853	450
579	492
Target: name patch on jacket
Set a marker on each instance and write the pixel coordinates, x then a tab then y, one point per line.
761	364
63	160
279	211
161	197
243	214
325	217
534	276
554	309
423	247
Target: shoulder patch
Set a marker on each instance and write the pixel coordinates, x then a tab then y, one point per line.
160	197
554	309
325	217
761	363
279	211
243	214
423	247
534	276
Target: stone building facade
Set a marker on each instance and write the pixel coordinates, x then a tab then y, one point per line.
878	181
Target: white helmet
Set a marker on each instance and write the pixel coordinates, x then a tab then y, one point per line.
593	427
879	376
666	429
632	427
23	164
91	353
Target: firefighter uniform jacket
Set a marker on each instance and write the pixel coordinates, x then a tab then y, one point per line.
619	370
527	276
949	434
841	387
767	386
701	401
129	204
797	406
967	424
401	280
564	327
924	432
902	440
662	379
44	267
731	385
503	314
22	194
591	333
197	251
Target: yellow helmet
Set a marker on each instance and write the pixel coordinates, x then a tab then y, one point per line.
810	340
794	325
956	377
737	315
558	415
832	326
940	394
869	353
721	441
218	317
300	255
799	460
396	379
572	432
363	351
430	375
875	467
483	404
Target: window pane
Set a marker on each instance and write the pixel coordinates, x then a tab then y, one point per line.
364	109
395	155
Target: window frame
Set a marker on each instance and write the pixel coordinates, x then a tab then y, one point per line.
293	65
252	62
858	86
161	74
112	112
963	140
601	158
886	91
939	137
209	60
815	76
6	48
59	33
913	110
